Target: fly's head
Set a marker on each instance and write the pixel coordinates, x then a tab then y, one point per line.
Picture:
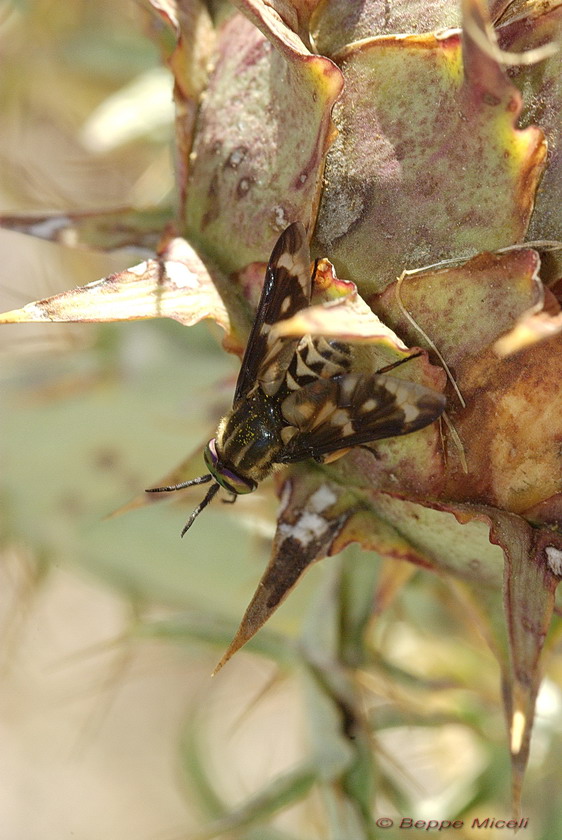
225	475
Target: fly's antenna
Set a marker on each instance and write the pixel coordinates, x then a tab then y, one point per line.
203	479
211	492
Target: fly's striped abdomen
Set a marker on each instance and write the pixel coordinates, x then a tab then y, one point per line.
317	358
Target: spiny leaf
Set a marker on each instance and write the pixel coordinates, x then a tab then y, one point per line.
529	589
471	304
393	202
333	26
528	27
423	533
511	427
307	524
194	39
261	166
530	569
105	231
285	23
176	285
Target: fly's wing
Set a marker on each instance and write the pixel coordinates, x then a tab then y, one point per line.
286	290
333	414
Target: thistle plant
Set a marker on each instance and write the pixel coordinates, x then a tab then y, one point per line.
425	170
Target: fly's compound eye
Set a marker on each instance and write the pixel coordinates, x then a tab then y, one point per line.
224	476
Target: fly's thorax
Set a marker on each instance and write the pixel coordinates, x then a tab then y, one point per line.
248	439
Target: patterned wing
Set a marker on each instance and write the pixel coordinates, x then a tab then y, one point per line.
352	409
286	290
315	358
